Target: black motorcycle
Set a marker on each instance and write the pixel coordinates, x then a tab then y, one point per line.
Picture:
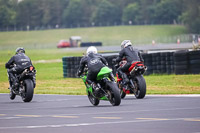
25	84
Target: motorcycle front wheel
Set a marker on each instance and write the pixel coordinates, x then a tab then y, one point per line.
12	95
28	90
92	99
122	93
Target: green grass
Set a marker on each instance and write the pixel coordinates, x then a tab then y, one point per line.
39	54
173	84
107	35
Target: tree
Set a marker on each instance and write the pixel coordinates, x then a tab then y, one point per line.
51	12
73	14
145	11
166	11
28	13
7	13
131	14
191	15
106	13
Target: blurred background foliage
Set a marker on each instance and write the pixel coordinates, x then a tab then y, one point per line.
50	14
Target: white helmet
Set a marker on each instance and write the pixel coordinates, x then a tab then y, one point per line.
126	43
91	49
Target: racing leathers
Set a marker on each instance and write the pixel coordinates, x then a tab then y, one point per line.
94	64
131	55
16	65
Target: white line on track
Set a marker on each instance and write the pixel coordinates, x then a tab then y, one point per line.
90	124
131	111
176	95
100	113
8	118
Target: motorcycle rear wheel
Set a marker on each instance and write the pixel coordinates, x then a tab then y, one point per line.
113	94
141	87
28	90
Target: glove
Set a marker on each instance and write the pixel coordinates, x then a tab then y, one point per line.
79	73
114	61
93	85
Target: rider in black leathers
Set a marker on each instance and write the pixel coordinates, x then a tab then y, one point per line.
94	63
16	65
131	55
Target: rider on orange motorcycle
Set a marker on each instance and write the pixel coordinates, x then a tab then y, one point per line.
131	55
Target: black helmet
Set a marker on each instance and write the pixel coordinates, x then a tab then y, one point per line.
20	50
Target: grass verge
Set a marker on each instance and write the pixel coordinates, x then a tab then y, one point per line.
156	84
143	34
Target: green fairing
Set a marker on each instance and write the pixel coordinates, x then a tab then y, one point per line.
88	87
84	78
104	72
104	98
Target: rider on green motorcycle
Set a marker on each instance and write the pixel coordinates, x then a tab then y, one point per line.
94	63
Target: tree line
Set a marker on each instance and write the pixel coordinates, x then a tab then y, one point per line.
39	14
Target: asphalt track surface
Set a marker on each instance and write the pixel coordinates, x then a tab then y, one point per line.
75	114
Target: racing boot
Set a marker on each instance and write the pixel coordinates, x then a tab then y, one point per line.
14	81
111	77
125	81
96	88
10	84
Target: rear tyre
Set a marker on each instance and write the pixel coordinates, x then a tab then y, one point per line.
113	93
92	99
141	87
28	90
12	95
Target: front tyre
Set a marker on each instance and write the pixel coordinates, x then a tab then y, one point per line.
12	95
28	90
113	93
140	87
122	93
92	99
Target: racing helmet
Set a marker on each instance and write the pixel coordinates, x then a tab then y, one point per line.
20	50
125	43
91	49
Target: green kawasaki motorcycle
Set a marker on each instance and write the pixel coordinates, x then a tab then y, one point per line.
108	90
